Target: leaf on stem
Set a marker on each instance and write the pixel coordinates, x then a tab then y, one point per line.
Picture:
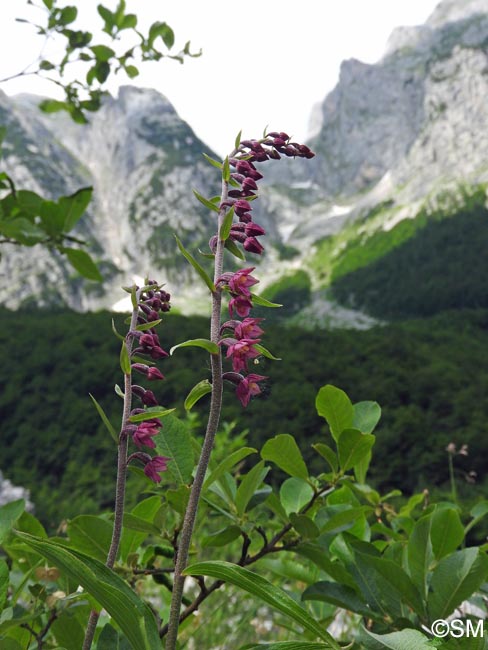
105	419
199	269
211	347
206	202
258	586
197	392
133	616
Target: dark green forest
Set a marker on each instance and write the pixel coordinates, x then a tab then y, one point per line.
438	263
430	376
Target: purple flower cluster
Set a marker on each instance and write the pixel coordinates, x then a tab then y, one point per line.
152	303
241	347
244	179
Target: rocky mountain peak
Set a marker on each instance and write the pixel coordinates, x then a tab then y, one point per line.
450	11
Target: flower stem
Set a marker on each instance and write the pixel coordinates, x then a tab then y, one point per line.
121	479
212	425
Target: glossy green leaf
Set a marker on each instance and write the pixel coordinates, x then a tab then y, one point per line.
132	522
258	586
340	596
142	327
224	231
329	454
266	353
9	513
211	347
150	413
83	263
397	579
234	249
212	161
206	202
174	441
447	532
197	392
226	170
132	71
105	419
335	406
74	206
262	302
222	537
227	464
456	578
334	569
198	268
295	493
366	416
307	528
52	106
108	639
132	615
124	359
478	512
406	639
29	202
91	535
340	520
420	554
249	484
284	452
68	631
353	446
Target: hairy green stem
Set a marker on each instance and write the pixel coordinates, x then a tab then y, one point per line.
121	479
212	424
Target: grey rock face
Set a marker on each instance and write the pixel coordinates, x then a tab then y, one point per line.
402	131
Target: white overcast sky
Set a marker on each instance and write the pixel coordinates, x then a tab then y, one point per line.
264	62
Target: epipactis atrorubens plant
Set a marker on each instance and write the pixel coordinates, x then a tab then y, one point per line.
240	336
140	351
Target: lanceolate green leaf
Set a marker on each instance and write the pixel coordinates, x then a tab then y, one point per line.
456	578
211	347
419	553
132	615
212	161
250	483
174	441
206	202
266	353
104	419
405	640
197	392
447	532
284	452
199	269
124	359
262	302
257	586
226	224
234	249
150	413
227	464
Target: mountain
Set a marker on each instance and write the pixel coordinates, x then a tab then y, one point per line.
401	145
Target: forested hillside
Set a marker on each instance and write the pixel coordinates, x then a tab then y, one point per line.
430	376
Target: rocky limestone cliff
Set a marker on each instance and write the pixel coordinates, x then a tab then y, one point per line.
397	133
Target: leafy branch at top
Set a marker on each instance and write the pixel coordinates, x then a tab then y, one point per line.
127	45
